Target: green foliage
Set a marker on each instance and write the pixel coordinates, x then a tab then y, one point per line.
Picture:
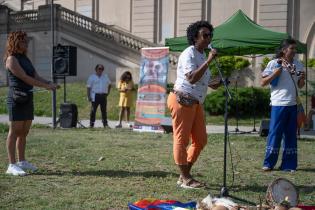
228	64
241	63
247	99
4	128
310	62
169	87
264	63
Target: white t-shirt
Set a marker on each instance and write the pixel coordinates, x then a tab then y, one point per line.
190	60
284	93
98	84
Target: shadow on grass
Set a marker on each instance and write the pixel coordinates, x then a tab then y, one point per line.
307	169
256	188
108	173
306	139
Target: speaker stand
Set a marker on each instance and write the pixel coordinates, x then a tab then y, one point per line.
80	124
64	90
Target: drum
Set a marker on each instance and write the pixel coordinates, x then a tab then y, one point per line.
279	190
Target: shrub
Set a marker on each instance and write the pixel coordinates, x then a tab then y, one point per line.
264	63
310	62
228	64
249	100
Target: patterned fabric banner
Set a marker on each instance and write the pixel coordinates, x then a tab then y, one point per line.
151	97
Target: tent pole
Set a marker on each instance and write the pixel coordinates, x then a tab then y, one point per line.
306	86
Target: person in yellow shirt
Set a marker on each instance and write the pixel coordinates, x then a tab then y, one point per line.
125	87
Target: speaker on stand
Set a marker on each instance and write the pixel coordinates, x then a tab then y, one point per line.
65	64
264	128
254	108
65	60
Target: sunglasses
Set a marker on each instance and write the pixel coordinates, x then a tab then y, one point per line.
207	35
102	69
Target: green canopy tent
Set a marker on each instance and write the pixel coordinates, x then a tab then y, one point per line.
239	35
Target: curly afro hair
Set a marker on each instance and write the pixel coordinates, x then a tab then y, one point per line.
193	30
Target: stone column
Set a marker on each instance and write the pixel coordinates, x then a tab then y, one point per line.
44	13
4	19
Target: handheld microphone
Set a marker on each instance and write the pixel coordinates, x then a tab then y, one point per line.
211	48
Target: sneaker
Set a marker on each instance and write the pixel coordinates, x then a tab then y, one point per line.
289	170
15	170
265	168
25	165
118	126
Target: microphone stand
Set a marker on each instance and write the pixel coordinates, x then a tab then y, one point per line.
224	190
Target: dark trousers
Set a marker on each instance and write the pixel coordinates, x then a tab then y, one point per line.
100	99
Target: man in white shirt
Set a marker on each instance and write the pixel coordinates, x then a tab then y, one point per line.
98	87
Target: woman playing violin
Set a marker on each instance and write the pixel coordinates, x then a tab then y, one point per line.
284	74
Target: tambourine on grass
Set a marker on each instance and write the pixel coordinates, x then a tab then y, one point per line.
281	190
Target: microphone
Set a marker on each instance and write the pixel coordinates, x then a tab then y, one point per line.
211	48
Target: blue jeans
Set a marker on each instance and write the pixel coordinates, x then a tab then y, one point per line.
283	125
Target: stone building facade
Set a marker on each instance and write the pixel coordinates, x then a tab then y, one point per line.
147	23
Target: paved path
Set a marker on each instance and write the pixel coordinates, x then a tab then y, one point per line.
247	130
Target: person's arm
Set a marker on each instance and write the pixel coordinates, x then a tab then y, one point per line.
88	93
301	81
13	65
268	78
194	76
120	87
109	87
44	80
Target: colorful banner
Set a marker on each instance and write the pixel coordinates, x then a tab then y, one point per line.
151	97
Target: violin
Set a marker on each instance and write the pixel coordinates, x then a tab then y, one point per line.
291	67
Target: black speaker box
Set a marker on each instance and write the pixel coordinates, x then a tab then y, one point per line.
264	128
65	61
68	115
166	124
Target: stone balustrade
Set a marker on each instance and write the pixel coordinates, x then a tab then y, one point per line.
36	20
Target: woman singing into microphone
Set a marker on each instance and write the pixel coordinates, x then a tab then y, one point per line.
185	103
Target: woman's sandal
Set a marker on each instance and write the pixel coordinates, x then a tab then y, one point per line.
192	184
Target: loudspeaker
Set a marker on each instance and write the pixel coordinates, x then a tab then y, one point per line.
166	124
65	60
264	128
68	115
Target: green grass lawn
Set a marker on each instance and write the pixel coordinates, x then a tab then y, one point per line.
76	93
136	166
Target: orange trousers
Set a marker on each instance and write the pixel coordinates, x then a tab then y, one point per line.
188	122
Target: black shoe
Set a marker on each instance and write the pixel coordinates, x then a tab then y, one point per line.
91	125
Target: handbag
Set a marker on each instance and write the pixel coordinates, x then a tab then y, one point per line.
301	117
185	99
20	96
